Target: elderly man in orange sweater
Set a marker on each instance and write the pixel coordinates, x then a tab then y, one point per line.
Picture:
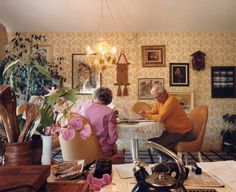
167	110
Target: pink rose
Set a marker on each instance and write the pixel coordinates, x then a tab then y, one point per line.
106	179
68	134
86	132
96	183
76	123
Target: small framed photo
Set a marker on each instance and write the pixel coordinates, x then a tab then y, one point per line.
186	99
153	56
47	49
179	74
145	86
84	77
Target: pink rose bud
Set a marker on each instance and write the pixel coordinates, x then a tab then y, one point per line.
68	134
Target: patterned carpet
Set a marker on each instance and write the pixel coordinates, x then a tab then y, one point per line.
208	156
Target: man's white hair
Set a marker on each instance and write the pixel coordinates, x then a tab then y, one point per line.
157	89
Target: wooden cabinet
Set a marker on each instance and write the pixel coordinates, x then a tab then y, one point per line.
223	82
24	178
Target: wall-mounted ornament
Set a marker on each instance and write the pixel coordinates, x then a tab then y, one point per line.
122	75
198	60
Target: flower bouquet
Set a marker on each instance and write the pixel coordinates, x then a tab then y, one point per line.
59	118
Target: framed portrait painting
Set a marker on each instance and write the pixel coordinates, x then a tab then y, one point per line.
179	74
145	86
153	56
84	77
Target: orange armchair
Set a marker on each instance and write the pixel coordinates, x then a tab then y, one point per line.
199	116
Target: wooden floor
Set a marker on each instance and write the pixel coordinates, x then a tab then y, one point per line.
208	156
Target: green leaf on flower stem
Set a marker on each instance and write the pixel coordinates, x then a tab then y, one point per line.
71	95
46	119
67	93
52	99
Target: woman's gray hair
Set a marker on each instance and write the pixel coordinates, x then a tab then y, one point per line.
103	94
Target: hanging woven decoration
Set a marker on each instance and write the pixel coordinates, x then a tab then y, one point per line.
198	60
122	75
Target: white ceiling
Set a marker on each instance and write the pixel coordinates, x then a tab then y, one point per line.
124	15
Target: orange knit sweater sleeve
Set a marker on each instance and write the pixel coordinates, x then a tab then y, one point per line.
160	112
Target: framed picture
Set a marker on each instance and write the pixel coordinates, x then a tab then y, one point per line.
145	86
153	56
84	76
179	74
47	49
185	98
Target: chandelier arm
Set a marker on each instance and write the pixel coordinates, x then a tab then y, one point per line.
109	9
102	55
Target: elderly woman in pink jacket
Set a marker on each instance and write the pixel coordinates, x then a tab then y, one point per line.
103	119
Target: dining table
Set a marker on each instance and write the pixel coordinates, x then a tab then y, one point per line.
134	130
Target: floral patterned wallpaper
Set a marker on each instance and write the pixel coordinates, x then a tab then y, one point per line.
220	50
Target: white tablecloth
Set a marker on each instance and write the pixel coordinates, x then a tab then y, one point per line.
141	130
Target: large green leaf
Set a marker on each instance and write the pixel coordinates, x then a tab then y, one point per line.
67	93
12	80
46	119
52	99
43	70
8	70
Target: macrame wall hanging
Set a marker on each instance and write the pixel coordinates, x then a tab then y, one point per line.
122	75
198	60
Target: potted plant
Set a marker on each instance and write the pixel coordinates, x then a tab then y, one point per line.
229	134
26	68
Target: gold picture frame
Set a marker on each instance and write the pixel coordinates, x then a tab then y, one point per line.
145	86
153	56
84	77
179	74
